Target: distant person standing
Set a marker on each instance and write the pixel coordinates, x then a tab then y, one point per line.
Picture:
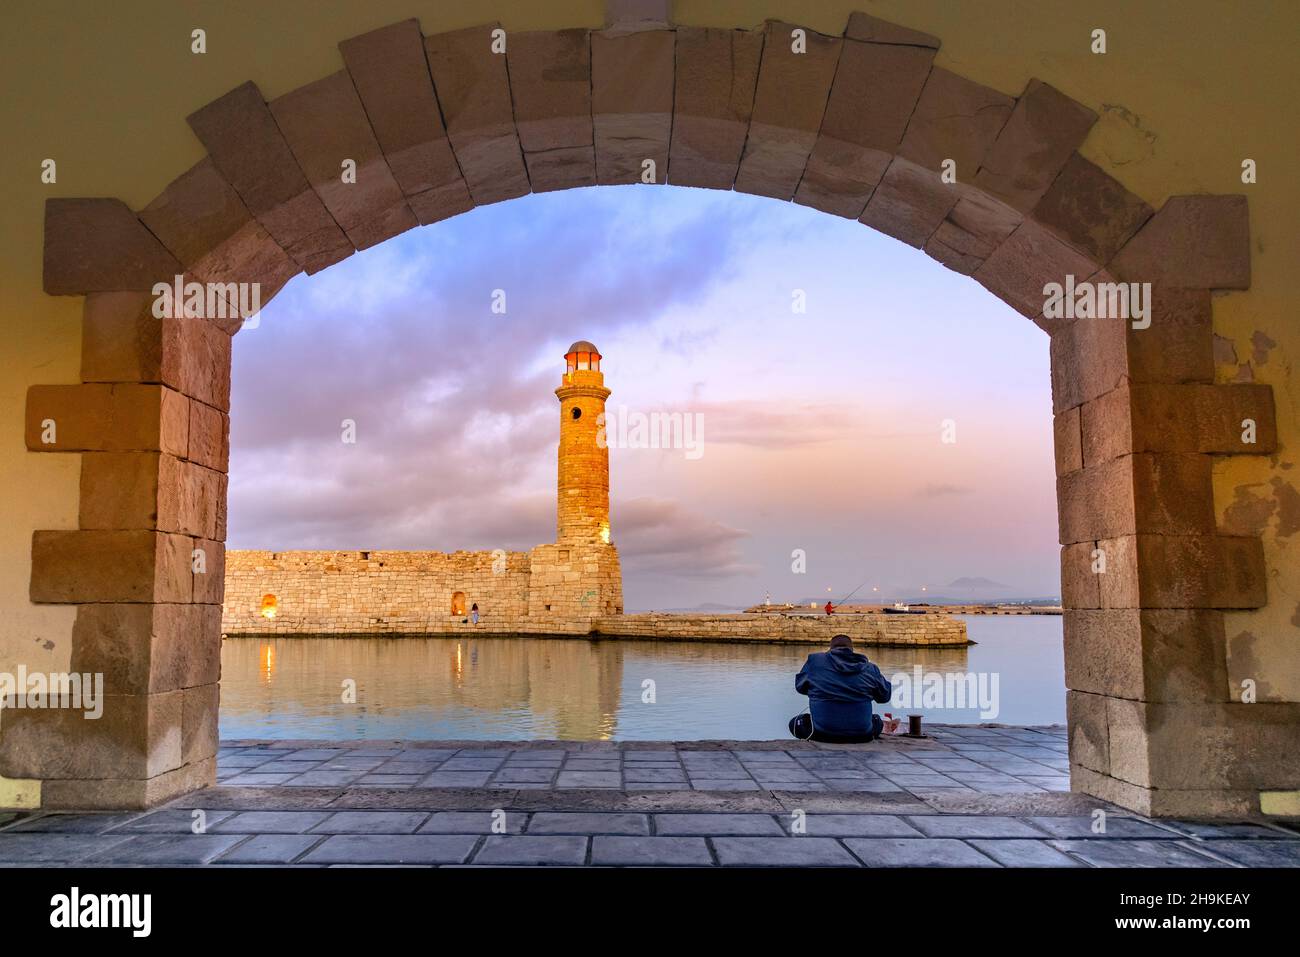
840	685
473	613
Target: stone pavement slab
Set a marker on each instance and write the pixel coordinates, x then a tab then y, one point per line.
589	779
782	852
963	826
582	823
169	821
650	851
392	849
473	822
1021	853
1114	826
270	822
533	850
1137	853
36	848
1256	853
60	823
855	825
710	824
371	822
167	849
914	852
270	849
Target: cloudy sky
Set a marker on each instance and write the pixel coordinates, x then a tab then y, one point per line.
822	428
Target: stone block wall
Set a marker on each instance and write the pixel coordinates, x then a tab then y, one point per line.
375	592
574	580
552	589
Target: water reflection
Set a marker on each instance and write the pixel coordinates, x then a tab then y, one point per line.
432	688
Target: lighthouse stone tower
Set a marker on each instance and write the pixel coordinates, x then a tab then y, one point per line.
579	576
583	484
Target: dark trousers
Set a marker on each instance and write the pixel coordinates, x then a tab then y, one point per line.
826	737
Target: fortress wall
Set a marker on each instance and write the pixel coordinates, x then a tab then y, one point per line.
382	592
358	592
878	630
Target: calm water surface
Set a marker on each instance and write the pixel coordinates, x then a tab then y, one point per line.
447	688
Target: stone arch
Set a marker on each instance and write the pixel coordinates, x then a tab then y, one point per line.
458	607
861	125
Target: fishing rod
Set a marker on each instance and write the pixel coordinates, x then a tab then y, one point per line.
849	595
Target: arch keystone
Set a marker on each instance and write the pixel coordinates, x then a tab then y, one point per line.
713	98
632	103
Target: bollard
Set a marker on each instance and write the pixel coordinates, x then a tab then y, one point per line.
914	726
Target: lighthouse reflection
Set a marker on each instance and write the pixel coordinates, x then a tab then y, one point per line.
517	689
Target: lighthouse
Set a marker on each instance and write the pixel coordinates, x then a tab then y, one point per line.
582	487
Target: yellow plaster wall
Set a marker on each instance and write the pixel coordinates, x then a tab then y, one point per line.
1186	91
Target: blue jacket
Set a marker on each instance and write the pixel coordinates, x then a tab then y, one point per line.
840	686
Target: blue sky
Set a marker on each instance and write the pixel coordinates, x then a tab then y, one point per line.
822	428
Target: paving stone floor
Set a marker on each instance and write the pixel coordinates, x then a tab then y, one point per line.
964	797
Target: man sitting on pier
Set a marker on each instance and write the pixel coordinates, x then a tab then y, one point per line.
840	685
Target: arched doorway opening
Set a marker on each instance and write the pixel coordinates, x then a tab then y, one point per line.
861	125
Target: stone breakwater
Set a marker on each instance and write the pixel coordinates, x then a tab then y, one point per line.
877	630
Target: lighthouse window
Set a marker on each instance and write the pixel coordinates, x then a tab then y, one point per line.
577	412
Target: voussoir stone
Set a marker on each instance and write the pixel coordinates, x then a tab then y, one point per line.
248	149
473	89
1028	260
973	228
1038	139
550	81
875	89
910	202
789	103
713	99
326	127
202	220
1192	242
391	75
98	245
955	119
1090	210
196	213
632	104
863	26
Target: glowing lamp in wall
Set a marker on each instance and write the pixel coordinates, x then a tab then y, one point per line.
604	532
269	606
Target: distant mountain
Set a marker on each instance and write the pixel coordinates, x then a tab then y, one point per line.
976	583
